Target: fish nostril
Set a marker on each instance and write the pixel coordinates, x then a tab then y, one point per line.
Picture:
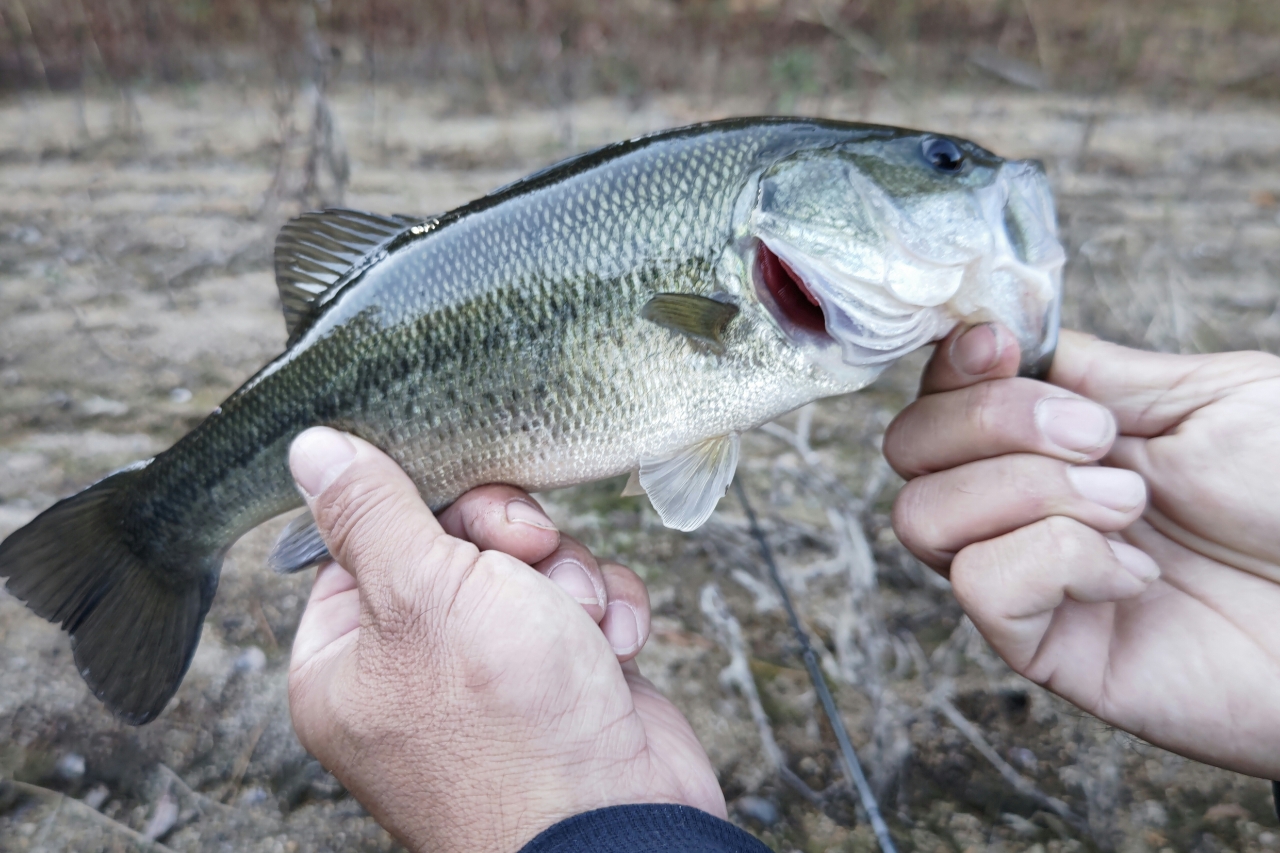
793	299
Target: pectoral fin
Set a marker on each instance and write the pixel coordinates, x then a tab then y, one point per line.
685	487
700	318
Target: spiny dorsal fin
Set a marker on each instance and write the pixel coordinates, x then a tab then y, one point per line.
316	250
699	317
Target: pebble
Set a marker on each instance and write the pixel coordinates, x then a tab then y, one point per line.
70	766
102	406
1024	758
253	796
252	659
758	809
96	797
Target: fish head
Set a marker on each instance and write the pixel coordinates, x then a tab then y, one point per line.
879	244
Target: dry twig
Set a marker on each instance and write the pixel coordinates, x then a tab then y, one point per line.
73	805
852	768
737	675
938	699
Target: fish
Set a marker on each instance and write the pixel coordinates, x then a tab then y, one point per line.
633	309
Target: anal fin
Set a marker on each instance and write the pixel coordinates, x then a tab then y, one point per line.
300	546
684	487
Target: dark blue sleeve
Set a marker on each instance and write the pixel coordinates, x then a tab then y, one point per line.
644	829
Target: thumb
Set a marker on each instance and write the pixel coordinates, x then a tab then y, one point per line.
366	508
1150	393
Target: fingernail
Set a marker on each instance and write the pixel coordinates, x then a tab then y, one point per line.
977	350
572	577
1114	488
317	457
1080	426
1135	561
621	628
523	512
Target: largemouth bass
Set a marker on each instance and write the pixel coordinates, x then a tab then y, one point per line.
633	309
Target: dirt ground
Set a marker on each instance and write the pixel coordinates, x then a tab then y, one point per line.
136	292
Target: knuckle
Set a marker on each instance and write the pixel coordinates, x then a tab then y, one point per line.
895	448
982	409
969	584
1061	536
417	598
1030	482
360	519
914	514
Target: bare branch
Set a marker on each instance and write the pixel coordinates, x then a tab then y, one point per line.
61	801
737	675
1016	780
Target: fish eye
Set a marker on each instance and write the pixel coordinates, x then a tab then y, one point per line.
942	154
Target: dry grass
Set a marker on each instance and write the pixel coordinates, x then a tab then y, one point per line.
489	52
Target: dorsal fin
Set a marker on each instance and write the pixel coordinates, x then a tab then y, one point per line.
317	249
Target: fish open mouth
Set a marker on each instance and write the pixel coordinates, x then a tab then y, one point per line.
793	302
814	302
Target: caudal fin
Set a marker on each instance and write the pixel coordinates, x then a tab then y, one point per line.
134	620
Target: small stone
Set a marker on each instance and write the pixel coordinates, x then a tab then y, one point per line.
1020	825
1226	811
759	809
252	659
96	797
1024	758
180	396
102	406
70	767
253	796
163	818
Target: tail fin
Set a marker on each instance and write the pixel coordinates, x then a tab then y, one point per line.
134	621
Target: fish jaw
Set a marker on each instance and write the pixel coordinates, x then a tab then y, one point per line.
905	278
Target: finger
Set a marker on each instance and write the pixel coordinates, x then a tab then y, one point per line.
994	418
969	355
332	612
1012	585
1152	392
502	518
626	622
371	517
574	569
938	515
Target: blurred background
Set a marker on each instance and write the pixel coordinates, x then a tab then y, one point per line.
149	152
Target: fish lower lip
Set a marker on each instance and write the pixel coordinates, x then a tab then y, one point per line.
791	300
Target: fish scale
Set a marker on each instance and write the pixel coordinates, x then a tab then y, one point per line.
632	309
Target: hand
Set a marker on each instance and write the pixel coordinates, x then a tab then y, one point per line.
1158	613
470	678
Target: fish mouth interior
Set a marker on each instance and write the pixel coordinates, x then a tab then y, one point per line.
792	301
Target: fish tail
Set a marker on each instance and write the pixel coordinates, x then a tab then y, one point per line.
133	611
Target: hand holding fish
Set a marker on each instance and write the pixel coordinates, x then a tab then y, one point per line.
1144	589
469	677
